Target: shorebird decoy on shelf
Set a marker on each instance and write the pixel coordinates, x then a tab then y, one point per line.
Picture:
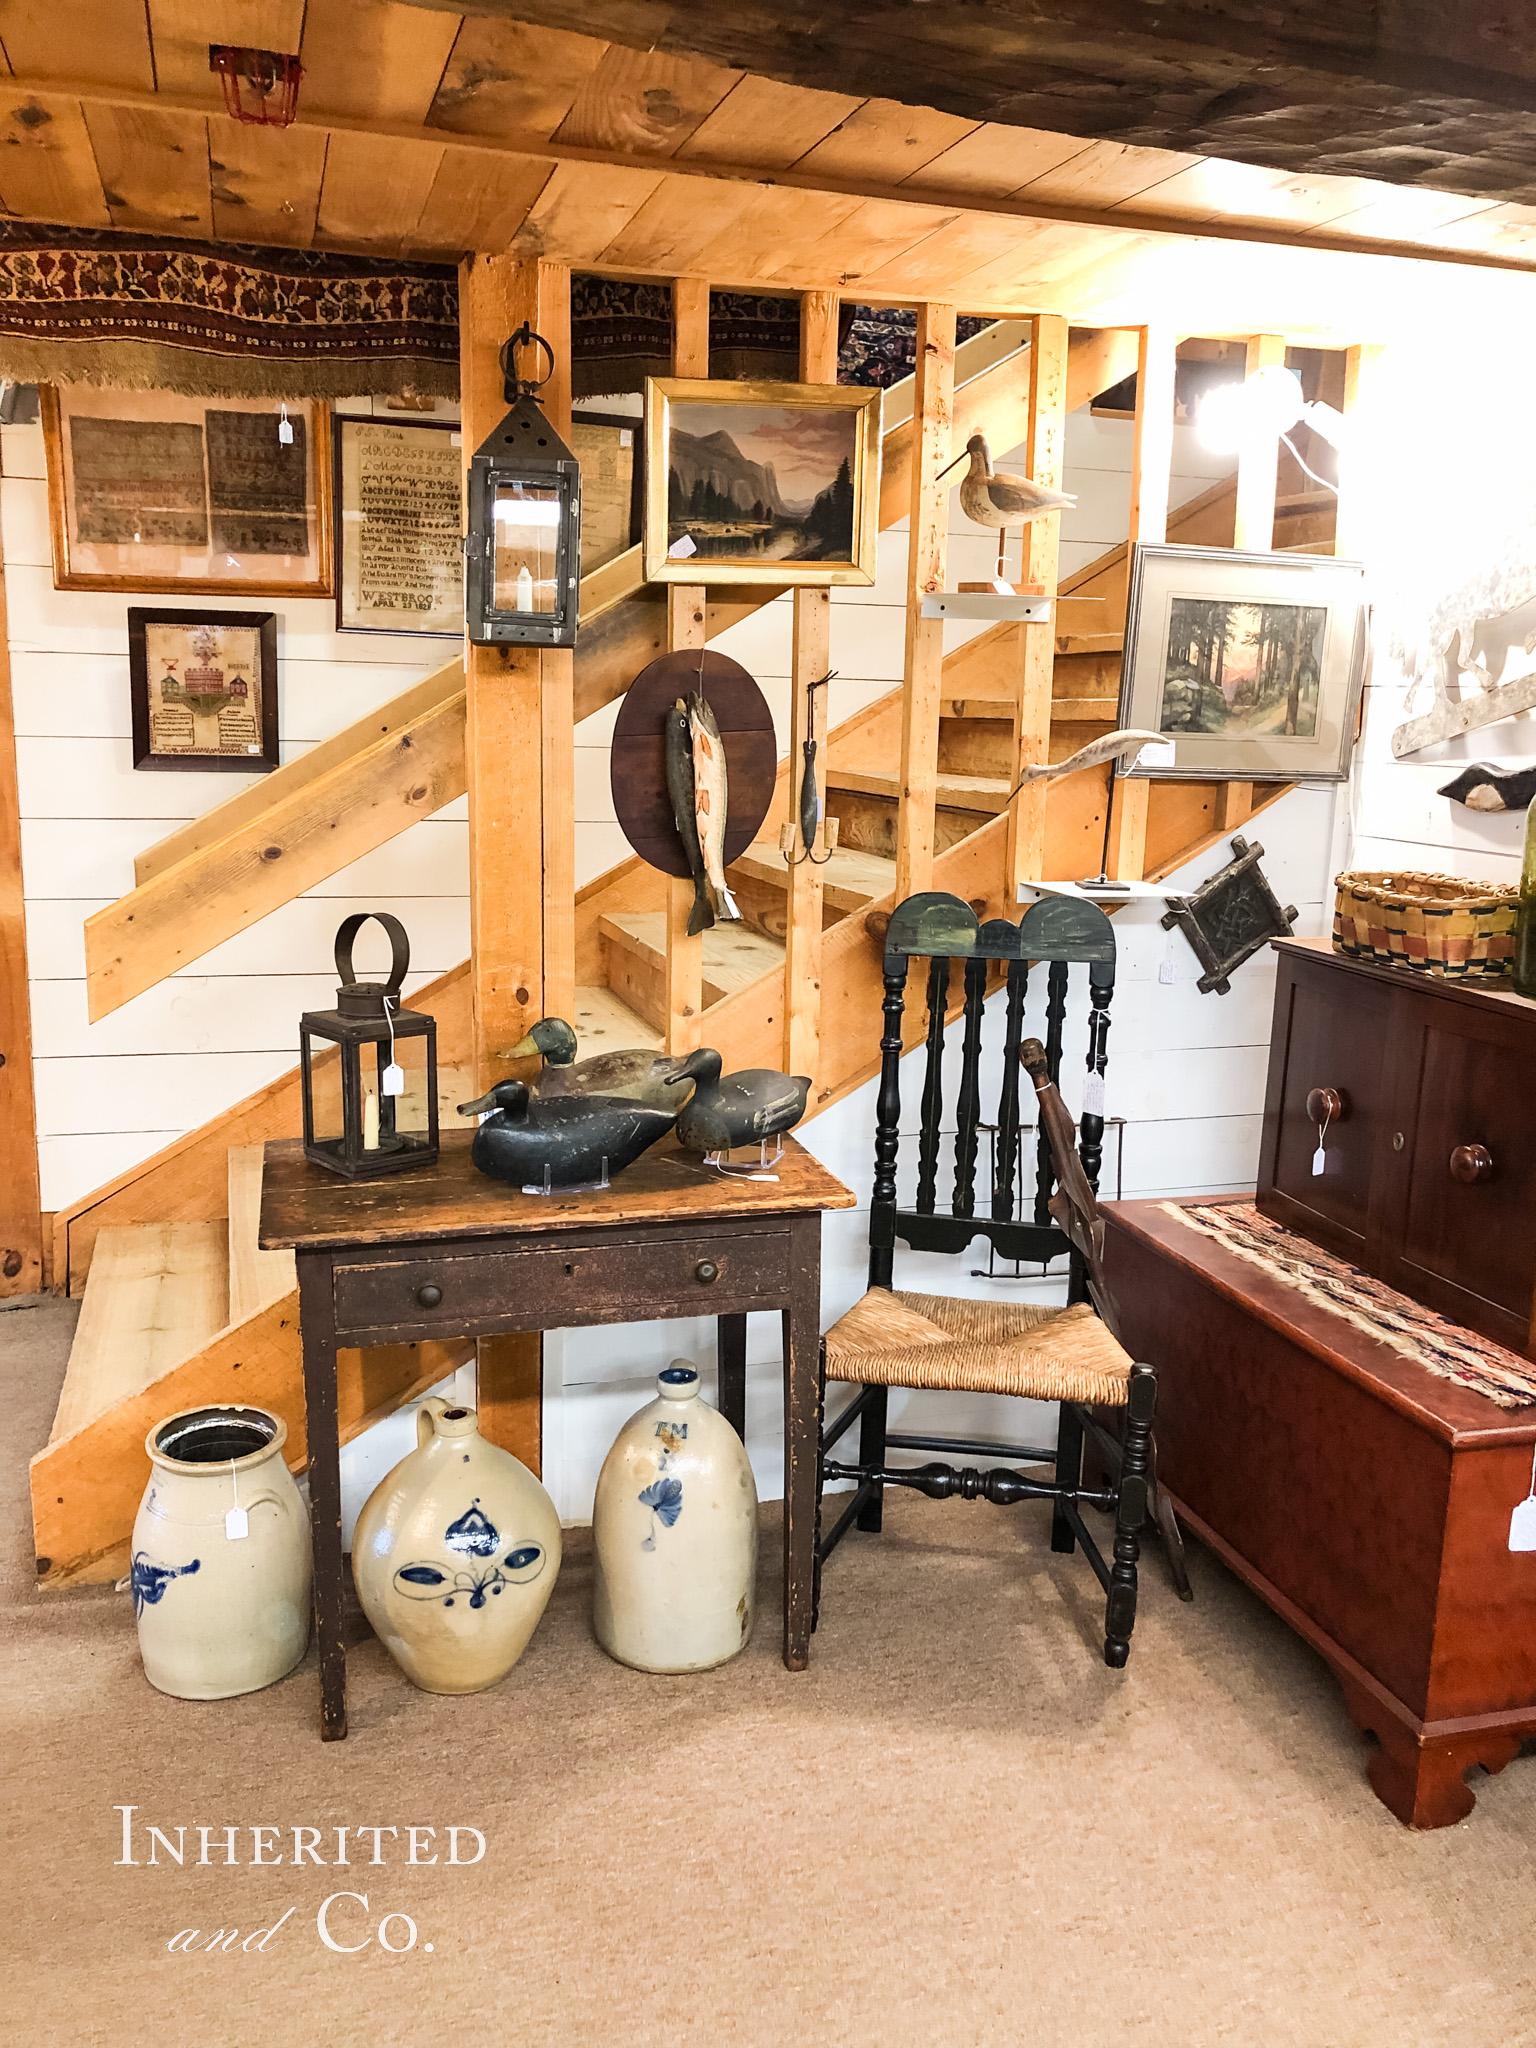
991	499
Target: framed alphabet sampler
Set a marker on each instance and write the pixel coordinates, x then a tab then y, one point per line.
399	526
152	491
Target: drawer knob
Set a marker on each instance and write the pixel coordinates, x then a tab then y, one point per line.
1471	1163
429	1296
706	1270
1327	1105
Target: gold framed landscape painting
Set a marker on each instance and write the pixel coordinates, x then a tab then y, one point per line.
153	491
761	483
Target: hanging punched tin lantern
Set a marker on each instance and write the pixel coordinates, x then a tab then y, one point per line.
522	559
369	1068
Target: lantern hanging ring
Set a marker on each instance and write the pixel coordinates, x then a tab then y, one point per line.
516	387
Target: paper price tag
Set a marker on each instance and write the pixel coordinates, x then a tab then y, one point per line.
681	549
237	1523
1522	1526
1093	1095
1167	972
393	1080
1319	1162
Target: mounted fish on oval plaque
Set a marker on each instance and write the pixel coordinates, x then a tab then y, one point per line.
692	768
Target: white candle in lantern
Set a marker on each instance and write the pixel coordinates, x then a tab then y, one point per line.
370	1121
524	589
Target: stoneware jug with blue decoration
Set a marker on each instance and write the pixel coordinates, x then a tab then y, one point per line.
675	1529
220	1563
455	1555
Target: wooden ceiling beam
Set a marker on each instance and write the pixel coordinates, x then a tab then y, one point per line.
41	180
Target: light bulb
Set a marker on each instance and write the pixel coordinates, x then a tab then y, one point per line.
1268	403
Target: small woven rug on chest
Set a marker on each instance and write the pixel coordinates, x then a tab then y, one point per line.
1433	1341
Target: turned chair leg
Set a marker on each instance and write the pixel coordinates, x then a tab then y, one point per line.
872	1452
1069	1472
1130	1513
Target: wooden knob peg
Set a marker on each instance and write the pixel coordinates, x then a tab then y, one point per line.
1471	1163
1327	1106
429	1296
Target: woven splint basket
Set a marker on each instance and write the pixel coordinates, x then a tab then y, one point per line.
1438	924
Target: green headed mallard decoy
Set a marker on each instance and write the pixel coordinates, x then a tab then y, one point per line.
570	1135
742	1109
636	1074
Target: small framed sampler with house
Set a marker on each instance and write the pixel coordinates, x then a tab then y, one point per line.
1251	664
152	491
204	688
761	483
399	526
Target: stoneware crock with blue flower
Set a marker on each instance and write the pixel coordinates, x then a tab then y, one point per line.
455	1555
220	1565
675	1531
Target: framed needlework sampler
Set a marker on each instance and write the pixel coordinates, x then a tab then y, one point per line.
399	491
204	689
148	490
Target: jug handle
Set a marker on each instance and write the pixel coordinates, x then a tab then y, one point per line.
427	1413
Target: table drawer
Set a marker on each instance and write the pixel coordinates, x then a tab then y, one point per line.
562	1285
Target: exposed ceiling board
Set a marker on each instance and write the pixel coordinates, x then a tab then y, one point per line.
153	169
264	182
182	31
47	166
643	103
477	202
108	42
373	60
1414	92
767	126
503	77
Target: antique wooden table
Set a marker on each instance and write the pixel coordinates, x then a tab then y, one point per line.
444	1252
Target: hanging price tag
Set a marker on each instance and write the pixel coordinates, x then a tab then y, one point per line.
1093	1095
392	1081
1522	1523
1319	1162
237	1523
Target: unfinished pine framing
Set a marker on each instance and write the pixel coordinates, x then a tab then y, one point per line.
1151	464
21	1222
811	657
687	627
1362	366
1045	456
505	742
927	553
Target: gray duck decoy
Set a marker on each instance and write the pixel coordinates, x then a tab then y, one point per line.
571	1135
742	1109
636	1074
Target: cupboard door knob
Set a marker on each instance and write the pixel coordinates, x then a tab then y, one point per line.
429	1296
1471	1163
706	1270
1327	1106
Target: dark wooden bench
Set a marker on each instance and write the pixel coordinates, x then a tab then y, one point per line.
1363	1498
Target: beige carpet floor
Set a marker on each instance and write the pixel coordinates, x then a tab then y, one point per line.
957	1827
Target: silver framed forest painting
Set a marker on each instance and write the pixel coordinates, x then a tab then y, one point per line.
1250	664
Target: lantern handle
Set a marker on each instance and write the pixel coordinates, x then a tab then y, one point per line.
516	387
399	948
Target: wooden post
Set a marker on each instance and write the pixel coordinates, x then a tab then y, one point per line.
1361	365
808	721
1045	460
557	698
21	1222
1257	463
927	550
517	856
687	626
1151	462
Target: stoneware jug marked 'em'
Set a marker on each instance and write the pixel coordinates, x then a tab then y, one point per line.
455	1555
675	1531
221	1555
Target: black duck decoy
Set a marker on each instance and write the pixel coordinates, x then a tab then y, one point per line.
569	1136
742	1109
637	1074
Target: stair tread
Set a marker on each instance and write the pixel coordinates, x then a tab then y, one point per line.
605	1023
851	873
155	1294
954	792
255	1277
734	954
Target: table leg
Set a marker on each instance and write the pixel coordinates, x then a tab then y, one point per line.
317	1333
802	1346
731	1366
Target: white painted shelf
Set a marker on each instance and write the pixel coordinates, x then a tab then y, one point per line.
986	604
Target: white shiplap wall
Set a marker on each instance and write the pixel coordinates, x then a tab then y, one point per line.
1185	1070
